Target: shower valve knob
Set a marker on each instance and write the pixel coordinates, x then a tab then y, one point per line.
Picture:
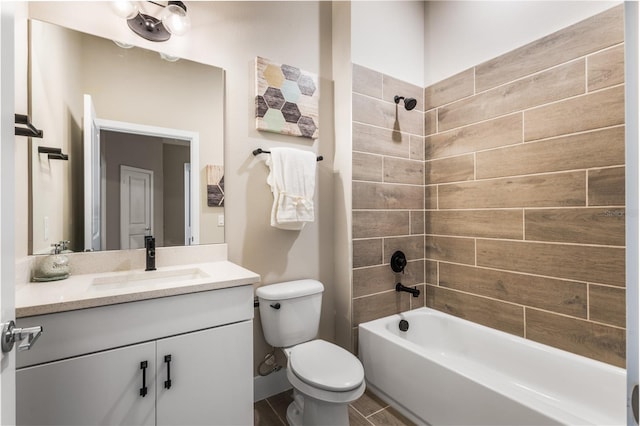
398	261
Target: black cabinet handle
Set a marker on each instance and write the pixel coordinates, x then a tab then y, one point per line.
143	389
167	383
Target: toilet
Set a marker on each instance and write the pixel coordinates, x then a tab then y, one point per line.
324	376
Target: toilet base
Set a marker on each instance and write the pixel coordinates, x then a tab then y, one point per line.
308	411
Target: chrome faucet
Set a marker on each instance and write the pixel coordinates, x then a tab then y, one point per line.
150	247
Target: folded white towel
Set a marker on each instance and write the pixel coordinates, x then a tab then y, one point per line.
293	180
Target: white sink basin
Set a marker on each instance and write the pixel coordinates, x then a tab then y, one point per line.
148	278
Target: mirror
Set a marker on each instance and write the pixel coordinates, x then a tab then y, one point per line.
152	161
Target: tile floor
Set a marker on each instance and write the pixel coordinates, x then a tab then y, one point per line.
369	410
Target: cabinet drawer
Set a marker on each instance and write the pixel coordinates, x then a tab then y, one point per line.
73	333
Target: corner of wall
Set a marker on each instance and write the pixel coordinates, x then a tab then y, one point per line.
342	171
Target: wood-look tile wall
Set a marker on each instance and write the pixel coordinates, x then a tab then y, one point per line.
505	188
388	195
524	175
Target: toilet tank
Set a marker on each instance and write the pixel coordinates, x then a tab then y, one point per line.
290	311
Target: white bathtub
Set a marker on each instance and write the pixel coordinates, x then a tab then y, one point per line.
449	371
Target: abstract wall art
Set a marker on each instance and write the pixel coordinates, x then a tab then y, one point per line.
215	186
287	99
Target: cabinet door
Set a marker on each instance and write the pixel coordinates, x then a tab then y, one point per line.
211	377
98	389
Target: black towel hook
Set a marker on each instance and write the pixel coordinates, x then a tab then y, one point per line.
30	131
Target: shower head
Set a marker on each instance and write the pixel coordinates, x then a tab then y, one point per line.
409	103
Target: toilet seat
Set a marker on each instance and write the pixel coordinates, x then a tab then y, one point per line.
326	366
325	395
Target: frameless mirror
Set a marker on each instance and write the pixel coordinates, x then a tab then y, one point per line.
143	133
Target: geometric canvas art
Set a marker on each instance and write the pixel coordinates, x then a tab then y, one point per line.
215	186
287	99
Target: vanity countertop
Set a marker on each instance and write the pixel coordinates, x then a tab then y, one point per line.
92	290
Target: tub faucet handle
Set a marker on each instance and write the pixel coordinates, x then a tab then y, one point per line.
398	261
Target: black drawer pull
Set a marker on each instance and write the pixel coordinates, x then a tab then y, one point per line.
167	383
143	389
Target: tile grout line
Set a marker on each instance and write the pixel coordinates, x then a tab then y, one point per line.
359	413
588	302
475	251
586	74
586	188
475	91
275	412
377	412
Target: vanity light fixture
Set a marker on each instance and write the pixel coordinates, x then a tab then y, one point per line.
172	20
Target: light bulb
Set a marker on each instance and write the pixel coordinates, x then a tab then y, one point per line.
125	9
123	45
175	18
169	58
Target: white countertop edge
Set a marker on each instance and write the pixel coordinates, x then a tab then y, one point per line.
79	292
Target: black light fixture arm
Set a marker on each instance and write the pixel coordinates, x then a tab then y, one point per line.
152	28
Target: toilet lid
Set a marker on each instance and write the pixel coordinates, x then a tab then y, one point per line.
326	366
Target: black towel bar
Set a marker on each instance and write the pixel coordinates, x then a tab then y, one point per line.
262	151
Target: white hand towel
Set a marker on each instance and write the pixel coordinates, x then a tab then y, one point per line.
293	180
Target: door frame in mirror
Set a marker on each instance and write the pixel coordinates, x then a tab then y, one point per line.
193	138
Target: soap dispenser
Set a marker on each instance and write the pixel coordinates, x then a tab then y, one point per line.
53	267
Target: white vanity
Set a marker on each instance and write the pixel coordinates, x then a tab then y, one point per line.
172	346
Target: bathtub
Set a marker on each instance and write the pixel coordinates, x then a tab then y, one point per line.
448	371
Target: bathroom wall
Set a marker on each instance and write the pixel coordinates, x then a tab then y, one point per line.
388	195
524	192
461	34
54	201
368	31
342	251
230	35
388	36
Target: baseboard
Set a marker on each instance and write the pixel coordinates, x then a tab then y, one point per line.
273	384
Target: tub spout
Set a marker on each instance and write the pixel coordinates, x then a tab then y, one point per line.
414	291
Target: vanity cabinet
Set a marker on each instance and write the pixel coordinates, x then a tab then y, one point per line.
96	389
200	373
209	377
